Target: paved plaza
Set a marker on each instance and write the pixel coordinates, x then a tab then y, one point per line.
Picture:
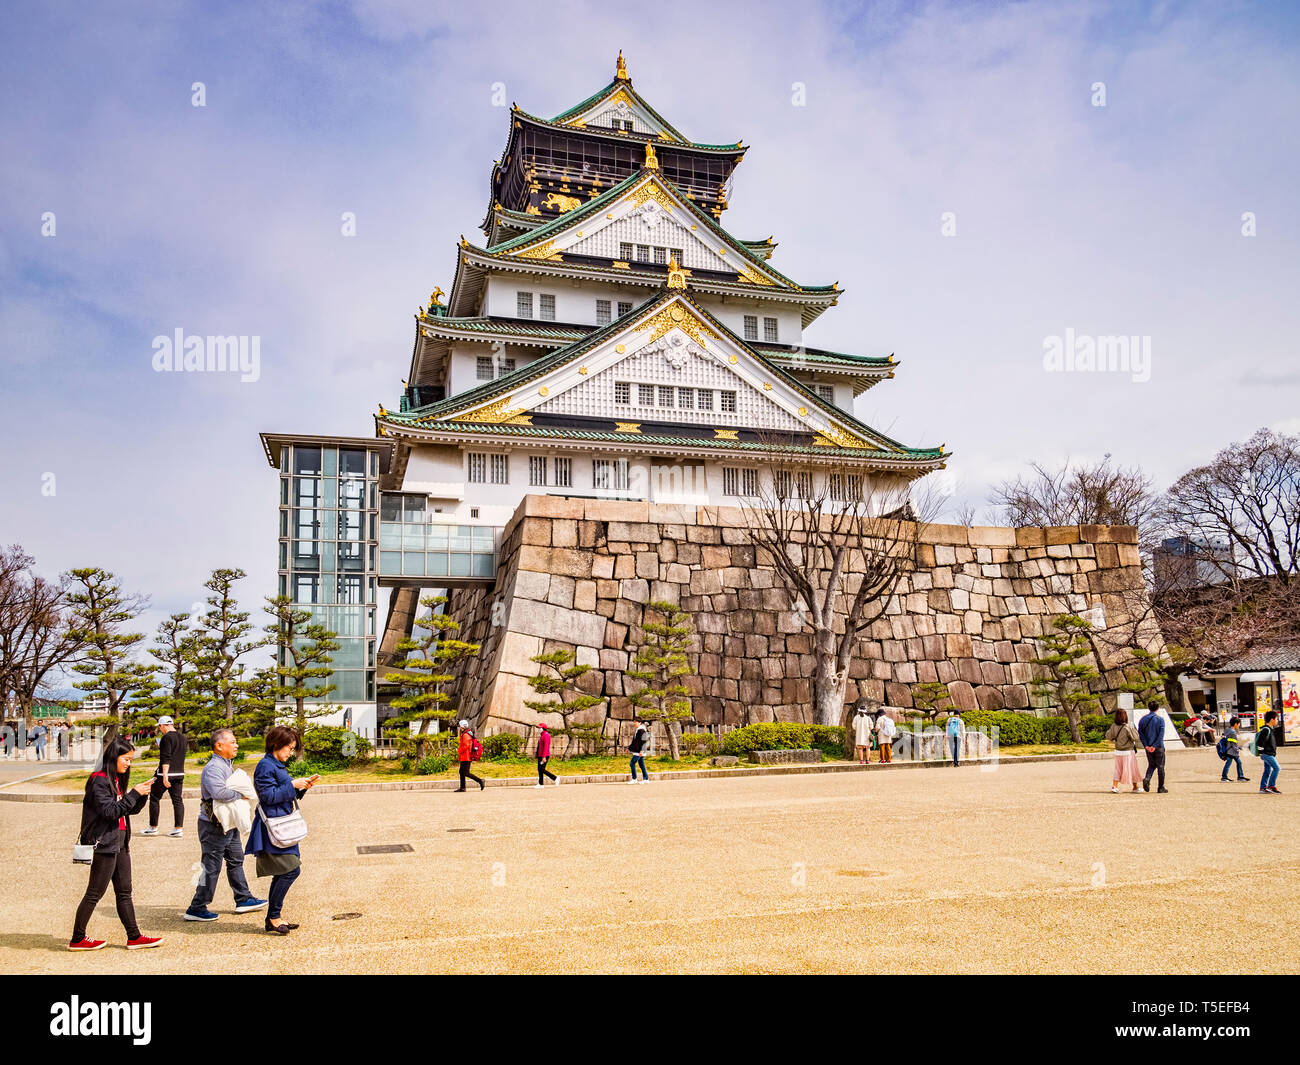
1032	868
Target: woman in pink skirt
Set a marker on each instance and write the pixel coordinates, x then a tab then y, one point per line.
1126	749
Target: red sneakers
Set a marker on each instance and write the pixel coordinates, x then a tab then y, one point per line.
86	944
143	942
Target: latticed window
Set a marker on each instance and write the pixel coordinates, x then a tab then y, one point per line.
507	366
620	475
661	256
643	253
500	469
609	474
523	304
730	481
704	398
645	395
622	392
600	478
677	254
602	312
728	403
803	482
536	469
624	251
564	473
749	482
783	484
686	398
751	327
477	467
769	329
624	308
827	392
665	395
548	308
484	367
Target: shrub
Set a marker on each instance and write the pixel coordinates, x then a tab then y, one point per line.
769	736
1093	736
300	767
1014	729
433	763
828	738
1055	730
703	743
502	746
1098	723
337	748
405	765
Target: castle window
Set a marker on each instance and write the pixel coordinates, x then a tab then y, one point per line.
622	392
537	470
484	367
477	467
728	404
643	253
826	392
678	254
500	469
523	304
665	395
624	251
564	473
686	398
730	481
749	482
661	256
751	327
624	308
645	395
548	308
602	312
609	475
704	398
769	329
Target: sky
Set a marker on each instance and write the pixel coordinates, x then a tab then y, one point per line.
979	177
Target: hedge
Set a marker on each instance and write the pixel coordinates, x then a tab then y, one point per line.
333	748
502	746
1016	729
783	735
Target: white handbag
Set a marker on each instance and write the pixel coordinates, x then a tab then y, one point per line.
286	830
83	853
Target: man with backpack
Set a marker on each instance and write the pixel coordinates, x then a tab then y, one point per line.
1265	745
1229	749
468	752
1151	730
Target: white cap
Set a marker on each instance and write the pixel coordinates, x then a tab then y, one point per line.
464	723
166	720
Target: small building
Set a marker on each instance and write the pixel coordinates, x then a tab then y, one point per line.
1251	686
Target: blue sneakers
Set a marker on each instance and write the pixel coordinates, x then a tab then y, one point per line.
200	915
249	905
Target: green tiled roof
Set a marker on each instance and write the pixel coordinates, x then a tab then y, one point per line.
818	355
594	206
539	367
496	327
609	90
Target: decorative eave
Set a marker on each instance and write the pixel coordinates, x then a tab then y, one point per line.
485	403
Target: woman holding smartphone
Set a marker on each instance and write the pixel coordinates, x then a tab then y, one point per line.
277	792
106	824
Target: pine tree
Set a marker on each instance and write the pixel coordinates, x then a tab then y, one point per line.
932	699
100	614
1064	656
1145	678
563	680
304	651
661	663
221	645
422	672
177	695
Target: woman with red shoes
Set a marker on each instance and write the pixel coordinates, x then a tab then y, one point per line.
106	825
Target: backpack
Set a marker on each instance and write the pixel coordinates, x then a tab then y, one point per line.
475	749
1254	741
1222	748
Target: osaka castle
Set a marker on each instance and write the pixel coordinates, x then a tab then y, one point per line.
606	338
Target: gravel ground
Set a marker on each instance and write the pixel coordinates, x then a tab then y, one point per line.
1024	869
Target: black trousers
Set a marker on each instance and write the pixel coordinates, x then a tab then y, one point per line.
541	769
178	802
465	774
103	869
1155	761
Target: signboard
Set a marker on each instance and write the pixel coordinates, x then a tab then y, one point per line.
1263	700
1291	707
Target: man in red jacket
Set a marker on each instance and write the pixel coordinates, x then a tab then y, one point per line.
544	756
466	756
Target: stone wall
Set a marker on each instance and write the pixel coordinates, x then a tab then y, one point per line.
577	573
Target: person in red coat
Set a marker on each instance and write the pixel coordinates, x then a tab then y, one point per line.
544	756
466	755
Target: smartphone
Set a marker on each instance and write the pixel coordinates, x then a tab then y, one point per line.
314	776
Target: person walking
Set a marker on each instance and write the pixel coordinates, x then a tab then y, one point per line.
465	752
862	730
216	844
277	793
1266	748
544	756
1127	741
885	732
1230	743
64	743
637	748
38	736
8	731
956	733
170	779
1151	730
106	813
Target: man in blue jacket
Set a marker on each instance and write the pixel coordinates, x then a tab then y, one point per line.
1151	730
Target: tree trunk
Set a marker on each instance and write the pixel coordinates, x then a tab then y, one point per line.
1072	716
1174	693
828	687
674	731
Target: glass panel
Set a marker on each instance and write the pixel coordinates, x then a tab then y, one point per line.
413	537
330	457
437	537
413	564
350	686
374	464
390	563
331	492
461	537
484	536
390	535
459	564
284	555
390	507
437	565
284	523
352	463
351	524
329	526
413	507
350	653
484	566
306	459
307	491
284	489
352	493
305	556
351	556
327	556
284	460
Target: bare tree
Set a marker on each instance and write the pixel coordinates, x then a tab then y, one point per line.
35	639
1100	494
839	546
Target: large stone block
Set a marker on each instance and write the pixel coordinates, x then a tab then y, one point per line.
991	536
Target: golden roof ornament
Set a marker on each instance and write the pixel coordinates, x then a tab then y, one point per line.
621	73
435	298
676	275
651	160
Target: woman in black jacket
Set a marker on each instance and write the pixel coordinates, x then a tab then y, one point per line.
106	824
